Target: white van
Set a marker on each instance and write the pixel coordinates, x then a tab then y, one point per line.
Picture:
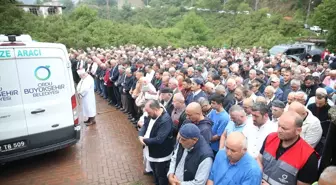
38	104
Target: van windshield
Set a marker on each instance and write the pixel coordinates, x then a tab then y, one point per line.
277	49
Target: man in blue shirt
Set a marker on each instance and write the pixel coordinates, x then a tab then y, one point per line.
238	121
233	165
220	119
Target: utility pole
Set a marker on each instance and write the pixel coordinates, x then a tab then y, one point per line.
308	11
108	9
256	5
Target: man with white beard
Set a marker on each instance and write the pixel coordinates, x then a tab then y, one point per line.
85	90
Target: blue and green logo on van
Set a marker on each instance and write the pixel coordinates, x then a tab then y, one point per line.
43	76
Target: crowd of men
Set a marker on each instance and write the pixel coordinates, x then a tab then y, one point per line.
219	116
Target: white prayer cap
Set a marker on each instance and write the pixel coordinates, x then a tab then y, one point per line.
81	71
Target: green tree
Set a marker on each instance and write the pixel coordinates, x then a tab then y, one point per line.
325	17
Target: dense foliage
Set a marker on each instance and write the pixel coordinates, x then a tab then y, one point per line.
166	22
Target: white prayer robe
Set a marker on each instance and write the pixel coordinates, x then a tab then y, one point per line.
85	90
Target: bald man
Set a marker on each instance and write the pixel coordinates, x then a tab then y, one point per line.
290	99
234	165
311	128
286	157
209	88
195	115
261	99
179	108
328	177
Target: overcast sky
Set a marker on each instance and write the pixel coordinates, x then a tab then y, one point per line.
28	1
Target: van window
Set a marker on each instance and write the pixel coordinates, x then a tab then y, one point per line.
295	51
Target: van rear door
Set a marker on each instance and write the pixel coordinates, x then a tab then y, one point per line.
13	127
46	94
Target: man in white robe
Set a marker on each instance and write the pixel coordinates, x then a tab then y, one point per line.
85	90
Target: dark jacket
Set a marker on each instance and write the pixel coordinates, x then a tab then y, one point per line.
322	114
279	94
128	84
205	127
156	83
309	91
191	97
284	86
201	151
169	107
176	128
228	101
114	73
160	142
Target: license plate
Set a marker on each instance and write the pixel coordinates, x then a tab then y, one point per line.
12	146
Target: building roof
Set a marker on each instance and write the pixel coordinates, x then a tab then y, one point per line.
34	5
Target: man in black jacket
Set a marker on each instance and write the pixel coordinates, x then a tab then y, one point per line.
192	159
157	136
114	74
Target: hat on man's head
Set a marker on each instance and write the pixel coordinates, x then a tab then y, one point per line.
189	131
329	90
166	90
279	104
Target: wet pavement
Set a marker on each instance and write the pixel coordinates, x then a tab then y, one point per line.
107	154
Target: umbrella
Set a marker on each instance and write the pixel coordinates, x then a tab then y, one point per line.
316	55
294	57
315	52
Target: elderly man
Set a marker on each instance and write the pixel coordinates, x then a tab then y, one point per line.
247	105
328	177
192	159
209	88
157	136
275	82
270	97
239	96
179	108
301	97
290	99
85	90
195	116
286	157
229	99
252	76
173	85
234	165
258	131
278	108
205	105
166	98
311	130
238	121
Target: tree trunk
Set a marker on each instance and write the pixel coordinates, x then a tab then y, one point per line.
256	5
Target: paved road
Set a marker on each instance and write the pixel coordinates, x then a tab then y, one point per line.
108	153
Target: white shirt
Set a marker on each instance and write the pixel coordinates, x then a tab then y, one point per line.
311	130
312	100
256	136
150	75
147	135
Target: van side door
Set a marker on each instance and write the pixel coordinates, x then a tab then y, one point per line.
13	126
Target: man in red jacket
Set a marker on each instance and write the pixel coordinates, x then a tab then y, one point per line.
285	157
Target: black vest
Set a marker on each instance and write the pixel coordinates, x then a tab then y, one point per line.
201	151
